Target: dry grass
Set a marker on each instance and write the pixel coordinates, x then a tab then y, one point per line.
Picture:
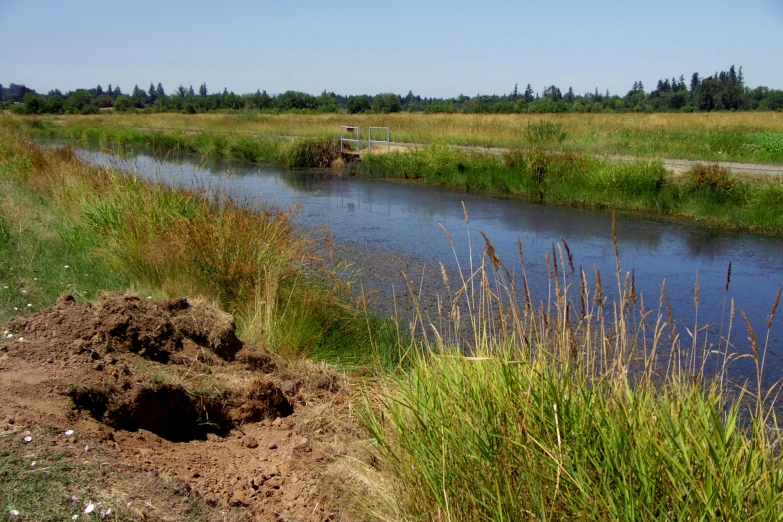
474	129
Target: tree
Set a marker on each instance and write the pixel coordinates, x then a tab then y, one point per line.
386	102
357	104
122	103
77	102
33	104
528	93
202	90
159	90
151	94
110	91
138	96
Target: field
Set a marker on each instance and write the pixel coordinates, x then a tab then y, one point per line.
490	407
726	136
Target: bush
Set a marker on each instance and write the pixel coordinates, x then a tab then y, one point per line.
715	182
309	153
546	131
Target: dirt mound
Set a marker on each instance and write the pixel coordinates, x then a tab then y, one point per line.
123	336
173	397
123	322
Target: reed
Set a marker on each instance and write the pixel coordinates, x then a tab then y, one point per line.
573	409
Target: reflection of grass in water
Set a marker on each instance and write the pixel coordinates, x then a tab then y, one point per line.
707	193
577	408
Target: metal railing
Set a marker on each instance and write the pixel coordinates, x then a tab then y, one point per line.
378	130
350	134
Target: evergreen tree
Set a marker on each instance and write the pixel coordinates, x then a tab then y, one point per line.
192	93
151	93
159	90
110	91
528	93
694	81
202	90
516	92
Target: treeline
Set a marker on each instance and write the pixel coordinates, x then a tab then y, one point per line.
725	90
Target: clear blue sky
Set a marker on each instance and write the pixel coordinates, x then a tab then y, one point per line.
435	48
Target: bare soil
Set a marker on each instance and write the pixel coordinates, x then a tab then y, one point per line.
180	409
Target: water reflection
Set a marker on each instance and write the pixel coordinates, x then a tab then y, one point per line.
400	217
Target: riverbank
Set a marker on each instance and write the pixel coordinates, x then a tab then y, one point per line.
755	137
539	172
540	420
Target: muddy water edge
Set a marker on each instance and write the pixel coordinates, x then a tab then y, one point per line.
390	230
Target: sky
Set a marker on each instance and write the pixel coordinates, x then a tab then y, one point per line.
434	48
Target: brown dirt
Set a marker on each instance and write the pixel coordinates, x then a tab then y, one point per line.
171	396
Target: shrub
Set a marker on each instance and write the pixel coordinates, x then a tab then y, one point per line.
546	131
715	182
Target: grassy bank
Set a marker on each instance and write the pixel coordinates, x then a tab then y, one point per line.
547	169
705	194
725	136
251	262
576	409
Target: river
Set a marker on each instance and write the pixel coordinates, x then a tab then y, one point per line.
394	226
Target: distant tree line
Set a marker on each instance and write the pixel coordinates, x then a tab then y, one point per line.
725	90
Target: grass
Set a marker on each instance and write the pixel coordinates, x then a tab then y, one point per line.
249	261
722	136
706	193
577	409
496	407
41	257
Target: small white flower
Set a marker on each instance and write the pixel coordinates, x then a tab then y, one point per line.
9	336
86	448
74	517
5	333
28	438
29	305
68	433
14	513
24	291
35	279
74	499
21	339
149	297
15	308
66	266
105	513
5	287
32	464
90	508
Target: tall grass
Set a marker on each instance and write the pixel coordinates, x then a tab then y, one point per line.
574	409
707	193
745	136
250	261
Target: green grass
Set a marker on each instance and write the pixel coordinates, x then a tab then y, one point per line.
575	179
577	409
42	256
249	261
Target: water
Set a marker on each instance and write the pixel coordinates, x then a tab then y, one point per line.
402	221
